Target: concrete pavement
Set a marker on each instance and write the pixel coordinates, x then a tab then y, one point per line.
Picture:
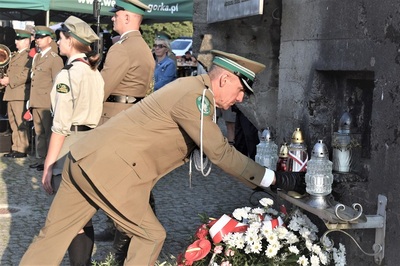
24	206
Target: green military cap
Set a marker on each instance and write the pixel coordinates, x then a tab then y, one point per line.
80	30
134	6
244	68
162	36
42	31
22	34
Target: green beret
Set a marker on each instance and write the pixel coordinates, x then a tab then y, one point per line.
134	6
244	68
43	31
80	30
22	34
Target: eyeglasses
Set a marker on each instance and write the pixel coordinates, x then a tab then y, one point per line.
159	46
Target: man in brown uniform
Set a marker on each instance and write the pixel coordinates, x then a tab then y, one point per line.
45	67
129	66
128	71
116	165
18	84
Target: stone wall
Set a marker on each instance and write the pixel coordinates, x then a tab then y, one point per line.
324	58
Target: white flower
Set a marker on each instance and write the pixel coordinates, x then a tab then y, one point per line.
258	210
256	247
271	237
271	251
339	255
314	260
294	249
309	245
316	249
291	238
252	237
241	213
281	231
323	258
303	261
266	202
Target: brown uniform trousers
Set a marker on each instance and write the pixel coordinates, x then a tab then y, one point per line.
44	71
16	94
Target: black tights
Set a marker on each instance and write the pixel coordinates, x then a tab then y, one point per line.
81	247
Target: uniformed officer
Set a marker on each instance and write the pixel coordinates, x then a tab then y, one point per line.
128	72
18	84
45	67
116	165
76	103
129	65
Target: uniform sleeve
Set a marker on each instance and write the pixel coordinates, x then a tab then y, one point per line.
115	68
166	76
186	113
56	67
63	93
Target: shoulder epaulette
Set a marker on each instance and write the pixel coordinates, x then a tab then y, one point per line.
54	54
122	40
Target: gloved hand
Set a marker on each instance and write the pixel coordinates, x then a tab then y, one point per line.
290	181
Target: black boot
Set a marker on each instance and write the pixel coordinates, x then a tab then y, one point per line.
120	246
81	248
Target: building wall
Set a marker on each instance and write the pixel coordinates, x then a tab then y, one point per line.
324	58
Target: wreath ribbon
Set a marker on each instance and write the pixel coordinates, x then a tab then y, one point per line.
224	226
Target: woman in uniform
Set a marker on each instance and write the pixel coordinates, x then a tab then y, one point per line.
77	100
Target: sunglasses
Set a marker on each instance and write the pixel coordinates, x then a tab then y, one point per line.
159	46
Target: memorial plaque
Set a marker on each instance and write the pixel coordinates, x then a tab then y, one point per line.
221	10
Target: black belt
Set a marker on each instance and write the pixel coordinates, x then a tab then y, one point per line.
80	128
123	99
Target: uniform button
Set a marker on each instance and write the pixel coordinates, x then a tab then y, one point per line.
134	164
252	178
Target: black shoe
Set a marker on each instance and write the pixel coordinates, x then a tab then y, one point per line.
120	247
106	235
10	154
19	155
40	167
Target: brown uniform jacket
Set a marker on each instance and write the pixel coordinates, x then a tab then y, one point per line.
125	157
44	71
19	74
129	67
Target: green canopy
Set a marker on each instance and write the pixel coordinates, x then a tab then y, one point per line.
165	10
26	4
161	10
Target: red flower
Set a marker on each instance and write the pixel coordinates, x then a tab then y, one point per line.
196	251
202	232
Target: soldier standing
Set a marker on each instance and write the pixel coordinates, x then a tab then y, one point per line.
128	72
45	67
18	83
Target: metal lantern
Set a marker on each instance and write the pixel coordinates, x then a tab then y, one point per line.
319	177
